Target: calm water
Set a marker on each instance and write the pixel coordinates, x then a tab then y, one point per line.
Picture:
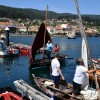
12	69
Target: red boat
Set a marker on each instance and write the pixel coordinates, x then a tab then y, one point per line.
24	49
8	94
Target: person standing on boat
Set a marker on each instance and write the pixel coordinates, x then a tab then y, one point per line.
80	76
56	48
49	47
55	71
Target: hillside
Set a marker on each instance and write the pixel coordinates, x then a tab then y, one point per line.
15	13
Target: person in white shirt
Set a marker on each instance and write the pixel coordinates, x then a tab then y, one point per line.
56	71
80	75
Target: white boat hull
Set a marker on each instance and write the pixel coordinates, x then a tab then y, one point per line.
8	53
29	91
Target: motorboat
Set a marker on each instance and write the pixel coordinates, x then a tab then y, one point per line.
9	51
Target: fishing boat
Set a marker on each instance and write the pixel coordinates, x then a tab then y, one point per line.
65	90
71	35
7	51
28	91
8	93
40	41
63	93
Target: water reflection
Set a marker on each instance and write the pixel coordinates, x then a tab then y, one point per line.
5	64
40	72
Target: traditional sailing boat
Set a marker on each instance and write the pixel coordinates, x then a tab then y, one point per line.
40	41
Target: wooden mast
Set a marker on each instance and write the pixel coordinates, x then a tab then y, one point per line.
45	33
84	36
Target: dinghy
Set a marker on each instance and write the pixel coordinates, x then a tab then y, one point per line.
28	91
8	51
8	93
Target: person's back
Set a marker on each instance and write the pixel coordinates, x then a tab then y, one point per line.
55	64
56	71
80	74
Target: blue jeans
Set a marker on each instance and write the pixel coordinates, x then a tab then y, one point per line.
56	79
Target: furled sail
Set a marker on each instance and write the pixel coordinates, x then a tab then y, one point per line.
85	59
84	51
39	40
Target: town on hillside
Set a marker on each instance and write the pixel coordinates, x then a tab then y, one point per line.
54	27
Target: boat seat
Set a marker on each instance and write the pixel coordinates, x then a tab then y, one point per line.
48	83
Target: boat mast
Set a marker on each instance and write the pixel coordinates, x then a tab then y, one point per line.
84	36
45	33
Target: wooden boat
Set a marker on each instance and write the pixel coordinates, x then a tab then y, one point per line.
29	91
39	43
46	85
64	92
8	93
7	51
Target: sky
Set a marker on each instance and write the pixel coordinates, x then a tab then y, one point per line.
59	6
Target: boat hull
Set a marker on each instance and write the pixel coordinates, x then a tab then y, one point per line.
8	93
29	91
24	52
45	61
63	93
7	53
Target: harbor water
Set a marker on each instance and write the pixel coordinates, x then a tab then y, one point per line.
16	68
